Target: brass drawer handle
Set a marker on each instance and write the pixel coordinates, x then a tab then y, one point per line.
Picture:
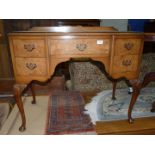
81	47
29	47
128	46
31	66
126	63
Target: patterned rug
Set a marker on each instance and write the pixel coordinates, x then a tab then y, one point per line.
66	114
103	108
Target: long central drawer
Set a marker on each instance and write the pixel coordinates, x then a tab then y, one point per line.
66	47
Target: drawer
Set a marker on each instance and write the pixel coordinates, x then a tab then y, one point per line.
80	47
125	63
31	66
29	47
127	46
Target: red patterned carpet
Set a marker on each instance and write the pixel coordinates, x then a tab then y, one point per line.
66	114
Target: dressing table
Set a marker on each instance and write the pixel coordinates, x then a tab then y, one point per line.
36	53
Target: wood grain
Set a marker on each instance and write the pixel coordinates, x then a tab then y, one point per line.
68	47
21	47
39	68
120	46
125	63
140	126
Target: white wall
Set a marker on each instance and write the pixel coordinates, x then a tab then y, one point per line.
120	24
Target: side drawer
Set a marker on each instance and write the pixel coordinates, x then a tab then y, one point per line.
125	63
31	66
80	47
29	47
127	46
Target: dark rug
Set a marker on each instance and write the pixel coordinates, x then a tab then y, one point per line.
66	114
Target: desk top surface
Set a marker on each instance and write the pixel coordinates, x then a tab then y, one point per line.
63	30
72	29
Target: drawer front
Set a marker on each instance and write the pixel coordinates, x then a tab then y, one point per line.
29	47
31	66
127	46
125	63
80	47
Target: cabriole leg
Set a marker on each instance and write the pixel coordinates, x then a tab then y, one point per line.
114	90
33	94
18	93
136	90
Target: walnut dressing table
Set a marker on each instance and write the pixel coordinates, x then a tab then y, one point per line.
37	52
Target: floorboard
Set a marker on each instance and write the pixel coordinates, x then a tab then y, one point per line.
140	126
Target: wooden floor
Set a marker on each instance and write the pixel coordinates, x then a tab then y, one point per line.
140	126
